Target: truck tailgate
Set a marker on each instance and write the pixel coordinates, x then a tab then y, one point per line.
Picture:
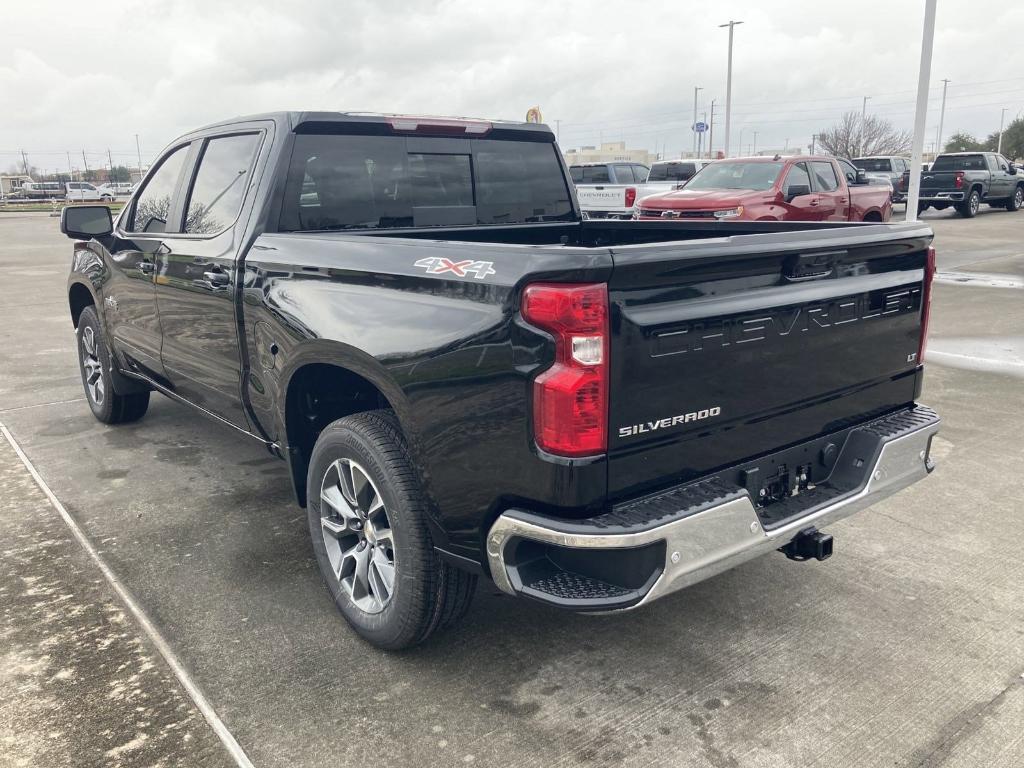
726	349
601	197
940	181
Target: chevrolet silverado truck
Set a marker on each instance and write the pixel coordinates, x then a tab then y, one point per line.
965	180
467	379
774	189
608	190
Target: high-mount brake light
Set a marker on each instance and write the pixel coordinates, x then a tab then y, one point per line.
570	399
926	302
439	126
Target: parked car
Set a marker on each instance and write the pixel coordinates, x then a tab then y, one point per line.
965	180
83	191
889	167
608	190
43	190
799	188
117	188
467	379
669	175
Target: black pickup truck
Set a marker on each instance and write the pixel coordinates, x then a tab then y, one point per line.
468	379
965	180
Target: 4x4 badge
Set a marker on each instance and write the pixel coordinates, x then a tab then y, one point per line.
436	265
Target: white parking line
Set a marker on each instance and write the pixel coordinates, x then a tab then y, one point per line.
201	702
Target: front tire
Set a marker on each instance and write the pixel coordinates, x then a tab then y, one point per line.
969	208
1015	202
367	517
94	361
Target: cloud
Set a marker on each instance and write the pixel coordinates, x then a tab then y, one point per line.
83	76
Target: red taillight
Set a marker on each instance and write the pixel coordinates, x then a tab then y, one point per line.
630	196
570	399
959	182
926	302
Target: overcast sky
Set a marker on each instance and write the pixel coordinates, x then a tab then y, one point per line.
89	76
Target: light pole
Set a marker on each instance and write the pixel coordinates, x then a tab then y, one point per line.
742	129
711	131
921	112
1002	119
693	126
728	85
863	119
138	152
754	151
942	117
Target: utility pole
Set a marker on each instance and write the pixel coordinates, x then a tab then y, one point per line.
1002	119
814	138
694	126
85	163
139	153
728	85
558	131
110	166
942	118
711	131
863	119
754	151
71	171
923	78
24	161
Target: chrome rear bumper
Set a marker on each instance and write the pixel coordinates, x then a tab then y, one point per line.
720	536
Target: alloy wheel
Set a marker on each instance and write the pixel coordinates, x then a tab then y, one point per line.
1018	198
357	535
92	366
975	203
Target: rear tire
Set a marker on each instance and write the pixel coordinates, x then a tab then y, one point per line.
969	207
1016	201
367	514
94	361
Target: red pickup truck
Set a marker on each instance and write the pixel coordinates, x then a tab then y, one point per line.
801	188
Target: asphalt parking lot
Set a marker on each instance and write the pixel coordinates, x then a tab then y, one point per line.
906	648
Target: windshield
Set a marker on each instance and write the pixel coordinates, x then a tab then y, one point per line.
736	175
671	171
368	182
873	164
959	163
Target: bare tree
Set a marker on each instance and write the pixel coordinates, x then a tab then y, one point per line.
852	137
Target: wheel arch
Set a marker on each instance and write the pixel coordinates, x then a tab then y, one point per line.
873	215
325	383
80	296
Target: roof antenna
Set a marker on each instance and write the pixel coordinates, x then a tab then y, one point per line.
777	156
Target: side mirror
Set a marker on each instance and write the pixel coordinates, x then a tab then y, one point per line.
862	176
84	222
794	191
1012	169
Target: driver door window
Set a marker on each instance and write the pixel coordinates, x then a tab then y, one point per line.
797	177
153	205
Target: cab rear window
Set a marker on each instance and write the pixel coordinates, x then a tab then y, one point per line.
959	163
372	182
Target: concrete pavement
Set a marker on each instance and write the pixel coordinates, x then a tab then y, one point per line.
906	648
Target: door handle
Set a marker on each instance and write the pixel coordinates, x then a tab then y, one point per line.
146	267
813	202
217	278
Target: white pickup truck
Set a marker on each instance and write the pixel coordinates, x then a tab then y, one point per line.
608	190
669	175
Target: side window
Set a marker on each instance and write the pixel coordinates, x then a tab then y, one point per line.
153	205
824	176
220	183
797	177
849	170
993	164
624	174
1004	164
640	173
576	172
